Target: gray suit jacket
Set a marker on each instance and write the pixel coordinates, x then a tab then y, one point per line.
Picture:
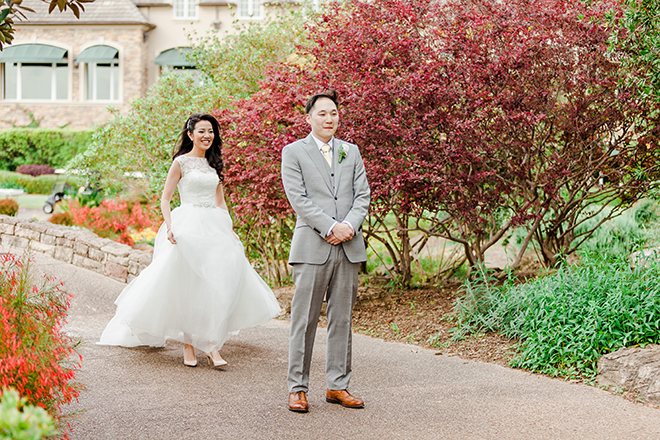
320	196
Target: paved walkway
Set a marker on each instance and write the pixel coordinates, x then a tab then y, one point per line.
410	393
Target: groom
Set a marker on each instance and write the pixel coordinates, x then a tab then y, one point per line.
326	184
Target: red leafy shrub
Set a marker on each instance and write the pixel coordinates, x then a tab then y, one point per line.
487	115
536	109
116	219
254	133
35	170
35	354
473	118
394	107
8	207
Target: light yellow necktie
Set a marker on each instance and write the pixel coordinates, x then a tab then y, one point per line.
326	153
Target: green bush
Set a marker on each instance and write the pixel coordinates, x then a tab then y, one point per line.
54	147
20	421
34	185
567	320
646	211
7	184
144	138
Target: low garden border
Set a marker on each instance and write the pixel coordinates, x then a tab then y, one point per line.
79	247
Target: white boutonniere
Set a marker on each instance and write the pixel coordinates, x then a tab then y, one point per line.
343	150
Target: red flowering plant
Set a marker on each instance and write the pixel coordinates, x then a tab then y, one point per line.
116	219
37	358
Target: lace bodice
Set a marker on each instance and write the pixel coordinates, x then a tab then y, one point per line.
198	182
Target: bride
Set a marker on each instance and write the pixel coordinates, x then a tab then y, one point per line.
200	287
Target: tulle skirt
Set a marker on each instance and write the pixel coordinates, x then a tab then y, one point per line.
198	291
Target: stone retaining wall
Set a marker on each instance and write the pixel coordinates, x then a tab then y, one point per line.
82	247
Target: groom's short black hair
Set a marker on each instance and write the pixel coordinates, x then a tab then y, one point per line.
330	94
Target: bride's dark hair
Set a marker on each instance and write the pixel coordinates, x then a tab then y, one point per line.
214	153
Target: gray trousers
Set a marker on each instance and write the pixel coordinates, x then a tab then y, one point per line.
337	280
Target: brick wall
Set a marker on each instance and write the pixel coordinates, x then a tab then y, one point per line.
78	247
77	113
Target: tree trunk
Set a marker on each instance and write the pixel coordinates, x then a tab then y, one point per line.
405	252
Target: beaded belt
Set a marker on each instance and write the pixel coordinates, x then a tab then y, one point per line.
202	205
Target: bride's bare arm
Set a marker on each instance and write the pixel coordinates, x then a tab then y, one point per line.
220	198
173	177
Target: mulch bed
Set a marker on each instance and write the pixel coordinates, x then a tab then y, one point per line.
425	317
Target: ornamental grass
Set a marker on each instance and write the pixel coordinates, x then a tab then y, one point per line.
8	207
567	320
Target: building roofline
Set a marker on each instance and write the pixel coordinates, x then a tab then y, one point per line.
87	23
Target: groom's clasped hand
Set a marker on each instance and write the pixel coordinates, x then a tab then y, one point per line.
340	233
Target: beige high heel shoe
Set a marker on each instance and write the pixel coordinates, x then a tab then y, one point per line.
215	357
189	358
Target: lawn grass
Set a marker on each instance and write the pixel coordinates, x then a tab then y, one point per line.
33	201
30	201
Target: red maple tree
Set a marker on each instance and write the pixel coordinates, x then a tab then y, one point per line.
546	132
480	116
472	117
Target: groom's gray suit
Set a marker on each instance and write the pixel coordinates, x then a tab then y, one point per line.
322	195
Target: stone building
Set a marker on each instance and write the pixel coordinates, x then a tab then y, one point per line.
61	71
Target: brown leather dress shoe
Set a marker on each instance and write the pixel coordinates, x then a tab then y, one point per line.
298	402
343	398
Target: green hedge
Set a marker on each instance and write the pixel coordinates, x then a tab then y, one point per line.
35	185
54	147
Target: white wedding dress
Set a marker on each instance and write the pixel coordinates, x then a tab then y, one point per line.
199	290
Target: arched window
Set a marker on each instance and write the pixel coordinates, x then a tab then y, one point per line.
101	72
174	60
35	72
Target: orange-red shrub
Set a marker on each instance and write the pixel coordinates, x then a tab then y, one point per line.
35	354
116	218
8	207
61	218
